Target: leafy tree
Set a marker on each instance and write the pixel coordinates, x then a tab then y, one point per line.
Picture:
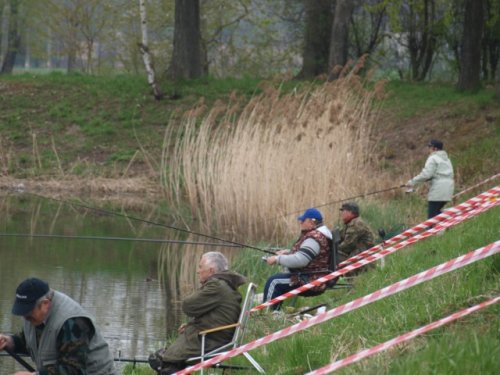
419	26
368	24
221	22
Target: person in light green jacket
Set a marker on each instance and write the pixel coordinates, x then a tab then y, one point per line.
439	171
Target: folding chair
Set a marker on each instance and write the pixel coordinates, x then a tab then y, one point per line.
239	332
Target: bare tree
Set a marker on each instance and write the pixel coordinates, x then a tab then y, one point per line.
339	41
187	58
367	24
491	39
146	55
13	38
318	19
470	71
422	38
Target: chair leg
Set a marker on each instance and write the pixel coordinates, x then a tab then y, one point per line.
202	350
254	363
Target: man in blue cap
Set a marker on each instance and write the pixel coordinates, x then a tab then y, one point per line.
58	334
307	260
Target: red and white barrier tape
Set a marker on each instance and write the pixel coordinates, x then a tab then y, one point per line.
476	185
381	254
398	340
446	215
419	278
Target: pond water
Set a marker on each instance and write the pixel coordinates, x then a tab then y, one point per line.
115	280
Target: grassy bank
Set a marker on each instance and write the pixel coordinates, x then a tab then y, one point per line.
469	345
476	335
58	125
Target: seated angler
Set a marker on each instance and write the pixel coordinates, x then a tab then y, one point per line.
308	259
58	334
215	304
355	235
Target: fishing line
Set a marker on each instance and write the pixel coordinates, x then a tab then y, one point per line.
109	212
350	198
50	236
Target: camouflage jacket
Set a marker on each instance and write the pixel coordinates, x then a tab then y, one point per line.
73	343
355	237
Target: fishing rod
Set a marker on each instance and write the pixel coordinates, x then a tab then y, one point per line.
109	212
350	198
20	360
119	359
50	236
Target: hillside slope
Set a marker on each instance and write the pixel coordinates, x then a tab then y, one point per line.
87	130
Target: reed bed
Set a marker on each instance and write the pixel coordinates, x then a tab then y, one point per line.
248	173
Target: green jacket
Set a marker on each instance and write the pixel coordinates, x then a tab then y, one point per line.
355	238
215	304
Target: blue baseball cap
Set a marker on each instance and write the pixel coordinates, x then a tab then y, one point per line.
27	293
311	213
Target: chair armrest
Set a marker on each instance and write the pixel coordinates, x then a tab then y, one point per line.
217	329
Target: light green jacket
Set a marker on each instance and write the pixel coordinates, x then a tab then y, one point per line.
439	171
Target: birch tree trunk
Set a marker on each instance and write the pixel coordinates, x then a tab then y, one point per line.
146	55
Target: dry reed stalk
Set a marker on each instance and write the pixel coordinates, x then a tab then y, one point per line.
59	165
132	159
4	158
56	216
36	153
283	153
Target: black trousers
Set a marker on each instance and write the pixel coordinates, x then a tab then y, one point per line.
434	208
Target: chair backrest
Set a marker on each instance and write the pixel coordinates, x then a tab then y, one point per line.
241	325
334	248
247	305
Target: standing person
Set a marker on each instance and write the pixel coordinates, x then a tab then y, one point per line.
355	236
439	171
216	303
307	260
58	334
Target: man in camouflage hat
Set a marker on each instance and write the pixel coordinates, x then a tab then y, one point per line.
355	236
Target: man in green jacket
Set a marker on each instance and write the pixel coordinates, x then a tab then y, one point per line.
355	236
216	303
439	171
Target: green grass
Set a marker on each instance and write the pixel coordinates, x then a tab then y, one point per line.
408	99
466	346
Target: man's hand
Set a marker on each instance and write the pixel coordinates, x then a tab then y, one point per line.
271	260
182	328
6	342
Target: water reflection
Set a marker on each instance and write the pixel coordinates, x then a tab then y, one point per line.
135	305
